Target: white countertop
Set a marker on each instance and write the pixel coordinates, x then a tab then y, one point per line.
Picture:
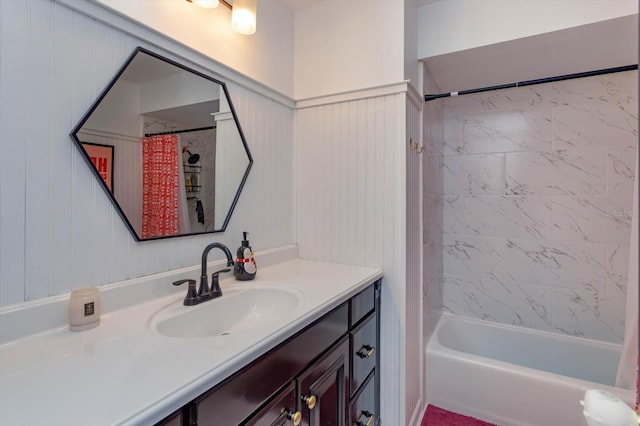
124	373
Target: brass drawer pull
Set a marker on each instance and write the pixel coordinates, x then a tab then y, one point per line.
365	351
370	417
310	401
295	418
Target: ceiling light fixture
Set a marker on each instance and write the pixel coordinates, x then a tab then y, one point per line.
243	16
243	13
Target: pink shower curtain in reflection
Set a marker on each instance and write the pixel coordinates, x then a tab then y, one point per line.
159	186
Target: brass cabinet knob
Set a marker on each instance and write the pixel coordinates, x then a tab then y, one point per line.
366	351
295	418
310	400
369	416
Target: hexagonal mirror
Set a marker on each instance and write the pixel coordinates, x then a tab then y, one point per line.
165	143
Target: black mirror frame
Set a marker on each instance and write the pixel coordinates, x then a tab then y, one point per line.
96	173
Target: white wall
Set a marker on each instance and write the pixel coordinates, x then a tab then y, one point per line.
266	56
350	207
342	46
176	90
353	162
121	107
58	230
453	25
469	44
411	69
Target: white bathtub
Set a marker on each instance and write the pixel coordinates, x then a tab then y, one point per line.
516	376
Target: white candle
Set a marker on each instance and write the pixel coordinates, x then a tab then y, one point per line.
84	309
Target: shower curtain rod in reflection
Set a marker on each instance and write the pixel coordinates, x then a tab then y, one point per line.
431	97
175	132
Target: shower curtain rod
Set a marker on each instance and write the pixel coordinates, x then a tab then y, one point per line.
175	132
431	97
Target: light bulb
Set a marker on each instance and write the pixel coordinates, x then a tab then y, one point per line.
209	4
243	16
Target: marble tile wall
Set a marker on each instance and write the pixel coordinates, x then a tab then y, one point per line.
536	193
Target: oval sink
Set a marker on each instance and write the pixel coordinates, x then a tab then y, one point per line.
237	311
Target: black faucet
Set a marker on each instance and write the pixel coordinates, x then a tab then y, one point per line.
215	287
204	293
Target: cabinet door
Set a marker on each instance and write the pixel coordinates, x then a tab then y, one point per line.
324	388
279	411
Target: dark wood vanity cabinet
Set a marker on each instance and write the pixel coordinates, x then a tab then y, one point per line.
325	375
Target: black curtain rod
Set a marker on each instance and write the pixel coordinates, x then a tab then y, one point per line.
431	97
175	132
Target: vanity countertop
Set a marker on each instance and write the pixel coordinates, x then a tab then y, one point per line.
122	372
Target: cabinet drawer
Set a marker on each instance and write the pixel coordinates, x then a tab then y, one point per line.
279	411
363	351
363	407
361	304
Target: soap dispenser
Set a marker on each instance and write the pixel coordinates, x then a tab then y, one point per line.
245	268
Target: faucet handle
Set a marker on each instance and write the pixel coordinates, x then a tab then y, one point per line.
192	295
214	276
215	285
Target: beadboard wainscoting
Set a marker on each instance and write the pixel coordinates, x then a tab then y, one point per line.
537	192
350	196
414	344
58	230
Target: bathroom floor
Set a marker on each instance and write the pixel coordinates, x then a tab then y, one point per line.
436	416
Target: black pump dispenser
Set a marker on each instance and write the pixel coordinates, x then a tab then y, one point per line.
245	268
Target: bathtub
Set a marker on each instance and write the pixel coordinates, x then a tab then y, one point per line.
516	376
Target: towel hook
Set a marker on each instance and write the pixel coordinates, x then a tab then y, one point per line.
414	146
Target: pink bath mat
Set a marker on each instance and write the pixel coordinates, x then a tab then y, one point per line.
436	416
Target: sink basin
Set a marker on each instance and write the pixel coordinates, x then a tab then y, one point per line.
237	311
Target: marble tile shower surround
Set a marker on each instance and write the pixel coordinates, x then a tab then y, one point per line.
536	191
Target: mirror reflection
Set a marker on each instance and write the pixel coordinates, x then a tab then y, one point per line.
165	143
